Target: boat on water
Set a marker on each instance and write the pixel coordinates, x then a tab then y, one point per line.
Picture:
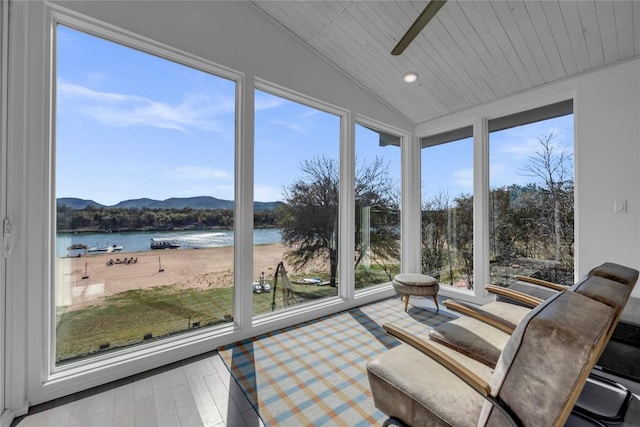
112	248
163	244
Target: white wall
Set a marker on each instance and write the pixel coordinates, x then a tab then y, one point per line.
607	155
607	158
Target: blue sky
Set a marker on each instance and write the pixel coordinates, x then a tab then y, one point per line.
448	168
132	125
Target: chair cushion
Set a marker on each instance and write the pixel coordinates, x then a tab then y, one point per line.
414	388
510	312
473	338
614	294
413	279
529	289
476	339
617	272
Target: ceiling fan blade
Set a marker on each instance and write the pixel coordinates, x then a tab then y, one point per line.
427	14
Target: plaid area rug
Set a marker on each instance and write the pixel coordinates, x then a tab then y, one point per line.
314	374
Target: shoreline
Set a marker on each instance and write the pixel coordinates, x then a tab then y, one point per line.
145	230
85	280
72	244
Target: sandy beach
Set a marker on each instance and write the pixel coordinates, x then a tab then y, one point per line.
85	280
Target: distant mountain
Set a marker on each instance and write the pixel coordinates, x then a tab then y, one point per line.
202	202
139	204
75	203
265	206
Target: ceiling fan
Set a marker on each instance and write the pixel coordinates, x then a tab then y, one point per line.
427	14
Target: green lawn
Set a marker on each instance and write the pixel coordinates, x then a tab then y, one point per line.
126	318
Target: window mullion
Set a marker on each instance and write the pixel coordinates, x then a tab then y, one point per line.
346	207
243	223
480	205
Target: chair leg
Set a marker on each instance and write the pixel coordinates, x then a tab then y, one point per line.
435	299
406	301
393	422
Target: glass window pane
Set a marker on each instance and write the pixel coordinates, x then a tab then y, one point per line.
144	181
447	212
377	207
531	201
296	175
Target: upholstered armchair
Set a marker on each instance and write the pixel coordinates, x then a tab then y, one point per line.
424	383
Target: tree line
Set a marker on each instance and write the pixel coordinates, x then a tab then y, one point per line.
533	221
525	222
95	219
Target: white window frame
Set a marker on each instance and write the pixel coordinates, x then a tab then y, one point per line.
81	374
479	119
407	245
480	178
346	297
5	239
326	305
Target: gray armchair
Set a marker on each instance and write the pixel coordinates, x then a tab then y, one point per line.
423	383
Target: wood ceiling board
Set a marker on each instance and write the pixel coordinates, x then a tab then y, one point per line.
574	29
608	33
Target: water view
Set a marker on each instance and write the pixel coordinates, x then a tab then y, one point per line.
140	241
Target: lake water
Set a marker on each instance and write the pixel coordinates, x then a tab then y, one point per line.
140	241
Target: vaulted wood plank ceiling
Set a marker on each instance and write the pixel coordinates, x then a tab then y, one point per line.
471	53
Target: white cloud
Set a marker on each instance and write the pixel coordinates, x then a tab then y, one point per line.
523	141
293	126
199	173
520	148
310	113
124	110
77	91
266	102
464	178
264	193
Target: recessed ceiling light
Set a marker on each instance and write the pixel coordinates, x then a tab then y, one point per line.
410	77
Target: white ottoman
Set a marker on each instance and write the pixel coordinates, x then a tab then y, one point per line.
407	284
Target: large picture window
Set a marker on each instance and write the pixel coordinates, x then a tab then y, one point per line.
377	206
447	208
144	187
531	202
297	177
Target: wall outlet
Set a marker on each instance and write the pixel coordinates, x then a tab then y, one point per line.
620	206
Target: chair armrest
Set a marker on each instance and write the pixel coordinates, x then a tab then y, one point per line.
481	315
471	379
514	295
442	358
544	283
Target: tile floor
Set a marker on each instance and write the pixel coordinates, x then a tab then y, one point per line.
195	392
